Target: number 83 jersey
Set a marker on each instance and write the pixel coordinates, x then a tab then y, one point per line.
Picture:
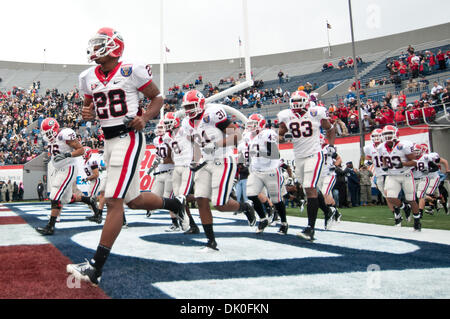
116	94
305	129
395	156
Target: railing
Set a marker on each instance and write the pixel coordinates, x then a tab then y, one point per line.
378	92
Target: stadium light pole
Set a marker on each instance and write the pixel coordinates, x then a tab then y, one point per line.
355	68
161	62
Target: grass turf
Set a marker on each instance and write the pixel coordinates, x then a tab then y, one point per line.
381	215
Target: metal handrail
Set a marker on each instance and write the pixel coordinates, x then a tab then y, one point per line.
425	118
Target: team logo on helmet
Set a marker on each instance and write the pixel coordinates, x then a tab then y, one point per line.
126	70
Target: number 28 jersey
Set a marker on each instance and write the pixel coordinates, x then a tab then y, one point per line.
117	94
305	129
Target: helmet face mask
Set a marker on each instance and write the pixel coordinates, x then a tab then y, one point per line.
299	101
418	151
389	134
252	126
87	153
50	129
193	103
256	122
106	42
160	129
171	122
376	136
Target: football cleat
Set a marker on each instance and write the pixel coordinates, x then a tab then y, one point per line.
417	224
337	216
407	210
329	219
96	218
47	230
173	228
262	225
283	229
148	214
181	213
86	272
193	230
398	222
307	233
249	211
93	204
210	247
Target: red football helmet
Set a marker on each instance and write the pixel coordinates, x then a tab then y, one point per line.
390	133
87	153
193	103
299	101
255	122
50	129
417	150
171	121
425	149
376	137
160	128
105	42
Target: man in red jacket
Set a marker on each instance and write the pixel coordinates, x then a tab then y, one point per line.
441	60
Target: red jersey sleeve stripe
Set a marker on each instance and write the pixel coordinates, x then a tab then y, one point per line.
145	85
88	96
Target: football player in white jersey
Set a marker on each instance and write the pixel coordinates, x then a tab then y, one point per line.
426	174
182	153
111	92
217	137
63	147
97	180
327	182
303	122
398	162
162	174
265	171
373	158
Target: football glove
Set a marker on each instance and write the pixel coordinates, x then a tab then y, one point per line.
59	157
127	120
331	151
432	167
368	163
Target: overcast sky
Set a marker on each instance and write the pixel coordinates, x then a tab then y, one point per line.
198	30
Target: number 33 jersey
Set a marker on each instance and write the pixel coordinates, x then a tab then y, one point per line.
395	156
305	129
117	94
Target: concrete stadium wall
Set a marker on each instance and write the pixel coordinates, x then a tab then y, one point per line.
391	42
30	182
439	142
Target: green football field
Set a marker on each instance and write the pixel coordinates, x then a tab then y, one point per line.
381	215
